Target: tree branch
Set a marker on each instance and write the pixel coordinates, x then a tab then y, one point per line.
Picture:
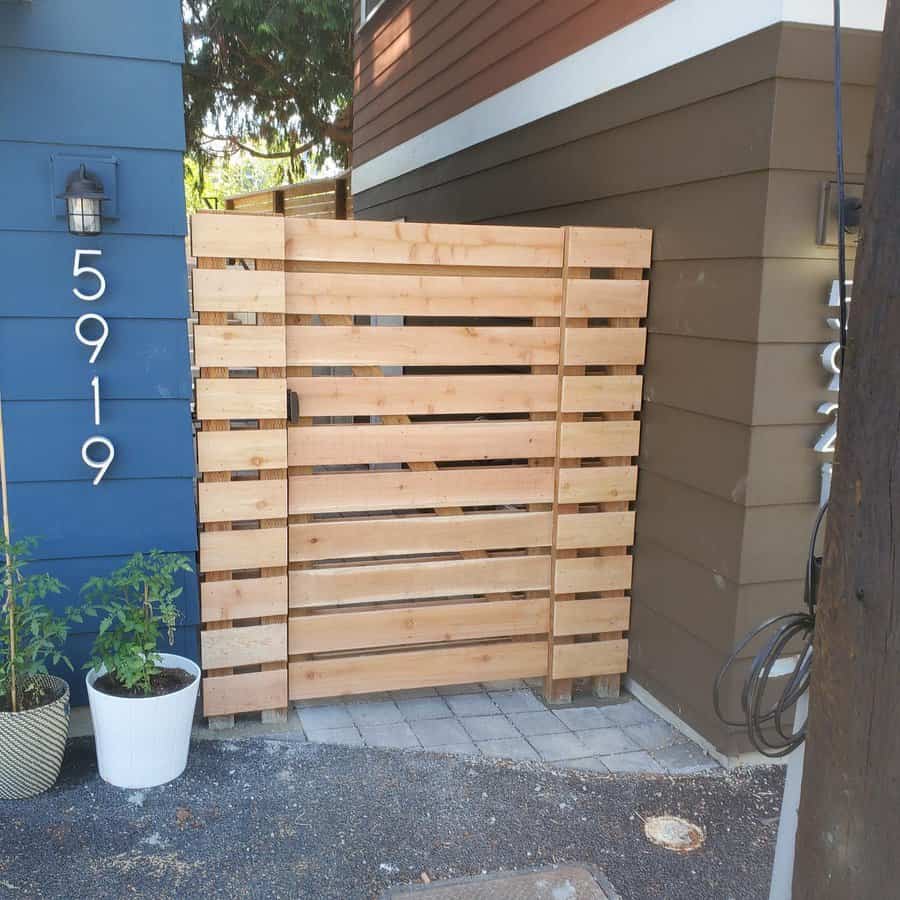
246	148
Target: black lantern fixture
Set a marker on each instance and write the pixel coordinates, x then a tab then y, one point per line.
84	196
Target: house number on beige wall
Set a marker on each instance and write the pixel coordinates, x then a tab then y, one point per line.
97	452
831	362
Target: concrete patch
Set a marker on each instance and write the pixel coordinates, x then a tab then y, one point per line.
567	882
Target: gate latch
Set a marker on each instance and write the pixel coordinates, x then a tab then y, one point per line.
293	407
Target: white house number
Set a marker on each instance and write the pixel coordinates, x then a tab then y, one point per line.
92	330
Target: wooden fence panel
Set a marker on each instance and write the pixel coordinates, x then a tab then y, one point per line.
455	501
242	461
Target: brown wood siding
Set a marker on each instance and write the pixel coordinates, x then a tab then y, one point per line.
431	61
723	156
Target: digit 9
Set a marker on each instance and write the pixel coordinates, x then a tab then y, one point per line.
101	465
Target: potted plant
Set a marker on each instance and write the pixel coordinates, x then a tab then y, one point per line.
142	701
34	705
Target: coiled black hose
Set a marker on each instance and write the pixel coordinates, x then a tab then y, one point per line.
768	725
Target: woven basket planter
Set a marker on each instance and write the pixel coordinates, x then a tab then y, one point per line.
32	744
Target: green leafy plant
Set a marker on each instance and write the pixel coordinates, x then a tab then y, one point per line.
31	635
272	79
136	602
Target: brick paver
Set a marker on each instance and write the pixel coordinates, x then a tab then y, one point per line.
424	708
384	712
396	735
606	741
508	720
435	732
487	728
472	705
508	748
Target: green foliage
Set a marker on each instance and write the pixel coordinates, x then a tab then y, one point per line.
271	74
135	603
229	176
38	633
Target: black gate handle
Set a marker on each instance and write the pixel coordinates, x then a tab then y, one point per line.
293	407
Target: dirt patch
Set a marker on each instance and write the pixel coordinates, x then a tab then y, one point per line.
33	697
166	681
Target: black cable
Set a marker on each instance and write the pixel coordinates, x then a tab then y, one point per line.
842	190
781	633
767	728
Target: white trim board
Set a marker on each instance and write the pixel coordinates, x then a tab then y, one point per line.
672	34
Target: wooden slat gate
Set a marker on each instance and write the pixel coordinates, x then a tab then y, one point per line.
453	502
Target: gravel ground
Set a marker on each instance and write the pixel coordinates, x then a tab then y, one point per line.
263	818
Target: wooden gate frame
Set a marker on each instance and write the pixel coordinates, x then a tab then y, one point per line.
245	596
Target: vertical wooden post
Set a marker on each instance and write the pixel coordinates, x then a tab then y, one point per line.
559	690
216	318
610	685
340	198
295	433
268	265
850	801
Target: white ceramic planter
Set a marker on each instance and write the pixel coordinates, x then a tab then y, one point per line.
143	742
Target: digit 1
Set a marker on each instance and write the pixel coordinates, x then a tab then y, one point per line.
96	343
100	465
95	384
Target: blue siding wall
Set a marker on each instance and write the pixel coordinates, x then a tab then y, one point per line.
97	78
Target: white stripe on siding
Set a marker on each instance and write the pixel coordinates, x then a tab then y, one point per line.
672	34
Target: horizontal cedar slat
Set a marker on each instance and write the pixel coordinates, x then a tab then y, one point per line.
236	235
408	581
348	444
224	551
313	293
424	394
239	346
241	501
603	529
354	491
595	439
416	668
591	615
597	484
237	290
332	632
605	346
601	393
227	451
408	243
241	398
228	694
615	248
603	298
418	535
249	646
591	658
246	598
593	573
456	345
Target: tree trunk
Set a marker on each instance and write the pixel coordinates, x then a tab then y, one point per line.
850	804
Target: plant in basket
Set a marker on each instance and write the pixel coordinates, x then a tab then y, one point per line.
142	700
34	705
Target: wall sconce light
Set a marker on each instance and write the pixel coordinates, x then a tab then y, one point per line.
84	198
